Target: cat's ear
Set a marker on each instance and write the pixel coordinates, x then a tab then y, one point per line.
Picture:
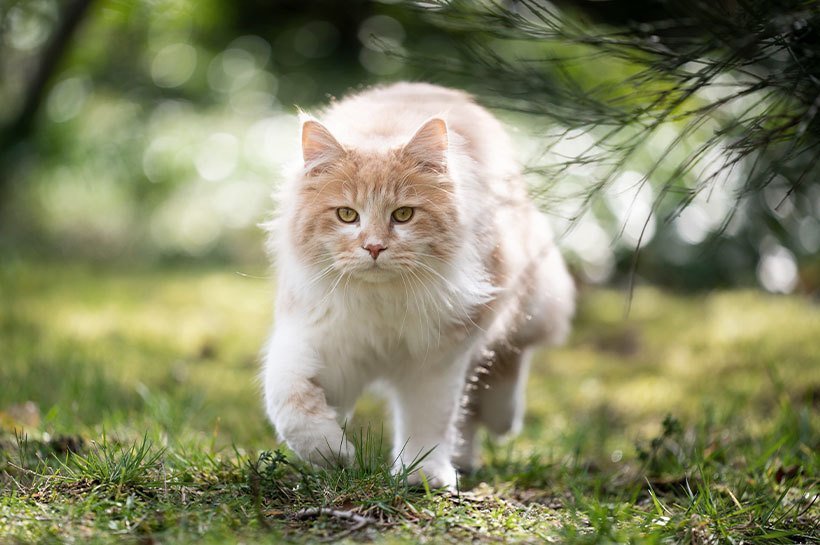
429	145
318	145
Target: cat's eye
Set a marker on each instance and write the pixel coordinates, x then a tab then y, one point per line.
347	215
402	215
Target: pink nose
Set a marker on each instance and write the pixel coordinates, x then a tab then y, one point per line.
374	249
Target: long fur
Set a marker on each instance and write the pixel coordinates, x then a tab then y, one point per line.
463	288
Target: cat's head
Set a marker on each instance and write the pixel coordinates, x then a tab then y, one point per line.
375	214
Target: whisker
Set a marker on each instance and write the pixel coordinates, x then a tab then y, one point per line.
429	270
344	293
406	307
332	289
421	316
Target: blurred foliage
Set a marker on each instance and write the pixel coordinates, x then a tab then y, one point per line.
164	127
147	130
686	129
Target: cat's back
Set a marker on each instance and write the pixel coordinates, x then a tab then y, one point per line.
387	116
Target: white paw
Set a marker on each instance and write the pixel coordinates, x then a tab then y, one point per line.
439	474
332	455
324	450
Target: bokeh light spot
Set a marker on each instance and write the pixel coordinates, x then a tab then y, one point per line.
173	65
273	142
241	203
777	269
231	69
693	224
381	37
184	223
236	63
380	27
67	98
257	95
258	47
157	157
379	63
28	24
590	244
218	156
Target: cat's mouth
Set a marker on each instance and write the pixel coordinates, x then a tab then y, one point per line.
375	272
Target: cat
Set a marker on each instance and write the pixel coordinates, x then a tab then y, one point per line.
409	256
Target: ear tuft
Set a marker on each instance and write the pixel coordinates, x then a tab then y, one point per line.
318	145
429	145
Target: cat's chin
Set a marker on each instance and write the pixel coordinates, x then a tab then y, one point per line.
375	275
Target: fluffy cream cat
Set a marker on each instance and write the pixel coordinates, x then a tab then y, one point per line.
409	256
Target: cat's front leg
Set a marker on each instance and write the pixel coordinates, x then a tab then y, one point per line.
425	410
296	404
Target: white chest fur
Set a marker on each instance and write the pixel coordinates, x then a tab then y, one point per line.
387	323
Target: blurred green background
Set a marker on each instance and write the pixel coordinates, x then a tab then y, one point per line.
141	142
161	132
138	130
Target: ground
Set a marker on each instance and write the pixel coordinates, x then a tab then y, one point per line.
130	411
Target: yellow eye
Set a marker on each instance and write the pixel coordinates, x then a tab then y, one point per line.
347	215
403	214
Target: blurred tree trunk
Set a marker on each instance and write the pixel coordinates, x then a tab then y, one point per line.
21	124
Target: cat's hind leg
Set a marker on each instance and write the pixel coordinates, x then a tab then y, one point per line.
494	397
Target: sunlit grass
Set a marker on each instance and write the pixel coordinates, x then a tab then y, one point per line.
694	419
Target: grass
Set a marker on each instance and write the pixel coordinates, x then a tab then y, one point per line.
130	411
